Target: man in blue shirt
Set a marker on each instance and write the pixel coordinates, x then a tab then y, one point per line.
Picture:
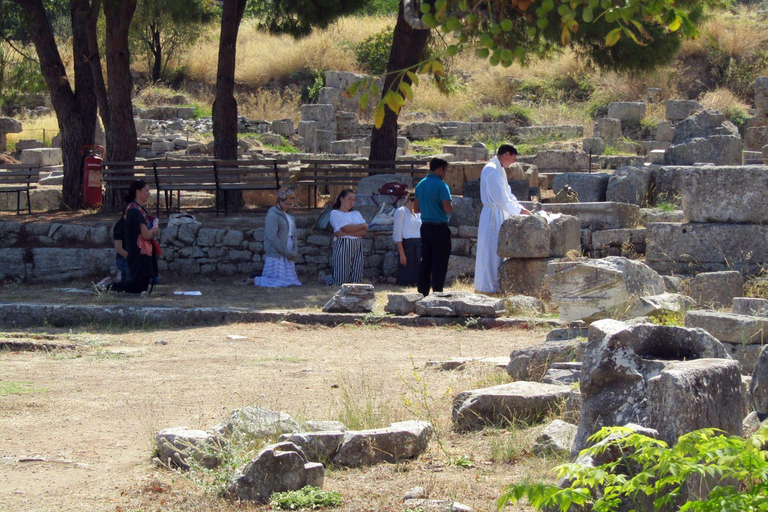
433	201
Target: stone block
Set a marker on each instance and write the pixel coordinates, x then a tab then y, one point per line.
755	137
561	161
715	150
10	125
325	114
464	212
565	236
399	441
524	236
60	264
715	289
749	306
691	395
656	157
523	276
687	248
352	298
739	193
422	131
704	124
594	145
665	131
402	303
590	187
627	110
459	304
677	110
598	216
556	438
41	156
761	95
176	446
630	185
531	363
284	127
505	404
608	129
730	328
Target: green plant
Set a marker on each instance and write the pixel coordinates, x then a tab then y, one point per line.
372	53
736	115
673	318
733	469
360	406
313	91
11	387
307	497
666	207
462	462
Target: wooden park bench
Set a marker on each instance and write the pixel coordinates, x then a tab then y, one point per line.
18	179
216	176
319	174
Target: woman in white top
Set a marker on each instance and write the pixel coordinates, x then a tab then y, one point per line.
406	232
349	228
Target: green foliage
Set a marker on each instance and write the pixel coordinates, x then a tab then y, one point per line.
379	8
673	318
666	207
736	115
563	89
735	469
299	17
372	53
307	497
313	91
10	387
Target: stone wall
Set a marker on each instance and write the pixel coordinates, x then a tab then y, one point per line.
46	251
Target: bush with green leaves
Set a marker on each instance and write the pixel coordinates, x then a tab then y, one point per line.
305	498
372	53
651	474
313	91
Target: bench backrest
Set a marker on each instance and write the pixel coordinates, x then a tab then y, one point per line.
18	175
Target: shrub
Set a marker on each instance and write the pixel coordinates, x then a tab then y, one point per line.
313	91
735	469
308	497
372	53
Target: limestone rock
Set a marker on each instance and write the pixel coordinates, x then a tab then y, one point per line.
727	327
523	276
323	426
705	123
608	129
565	236
715	150
177	445
630	185
524	304
464	212
555	438
352	298
561	161
567	334
656	305
277	468
317	446
531	363
563	373
501	405
619	361
691	395
749	306
751	424
758	387
524	236
594	145
716	289
589	187
677	110
255	421
398	441
740	194
402	303
626	110
460	304
593	289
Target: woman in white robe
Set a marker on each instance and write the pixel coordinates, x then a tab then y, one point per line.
498	204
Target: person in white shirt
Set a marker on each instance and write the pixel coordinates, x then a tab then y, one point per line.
498	204
406	232
349	228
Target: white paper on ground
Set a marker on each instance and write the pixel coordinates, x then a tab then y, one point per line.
188	293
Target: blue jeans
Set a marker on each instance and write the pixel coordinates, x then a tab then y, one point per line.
122	266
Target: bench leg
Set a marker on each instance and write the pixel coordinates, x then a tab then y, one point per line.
29	203
18	202
226	201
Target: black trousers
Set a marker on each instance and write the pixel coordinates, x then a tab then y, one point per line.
409	275
435	251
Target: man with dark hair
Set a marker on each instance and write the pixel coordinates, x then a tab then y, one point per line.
433	201
498	204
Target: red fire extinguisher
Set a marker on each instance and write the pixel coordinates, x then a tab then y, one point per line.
93	157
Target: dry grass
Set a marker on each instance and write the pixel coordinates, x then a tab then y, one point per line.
723	100
39	127
271	105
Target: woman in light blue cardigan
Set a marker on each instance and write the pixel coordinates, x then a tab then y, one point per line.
280	245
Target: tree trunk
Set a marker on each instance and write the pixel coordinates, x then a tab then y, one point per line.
157	53
75	111
225	106
408	46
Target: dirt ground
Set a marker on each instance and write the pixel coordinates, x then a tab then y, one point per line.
77	425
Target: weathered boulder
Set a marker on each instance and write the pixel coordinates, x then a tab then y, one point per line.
567	334
630	185
665	131
352	298
10	125
716	289
593	289
524	305
523	276
658	305
608	129
317	446
715	150
758	387
727	327
277	468
677	110
589	187
41	156
593	145
691	395
323	426
619	361
563	373
531	363
257	422
749	306
740	194
626	110
176	446
565	236
524	236
555	438
398	441
459	304
505	404
705	123
402	303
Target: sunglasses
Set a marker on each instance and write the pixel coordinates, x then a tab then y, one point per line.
411	198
